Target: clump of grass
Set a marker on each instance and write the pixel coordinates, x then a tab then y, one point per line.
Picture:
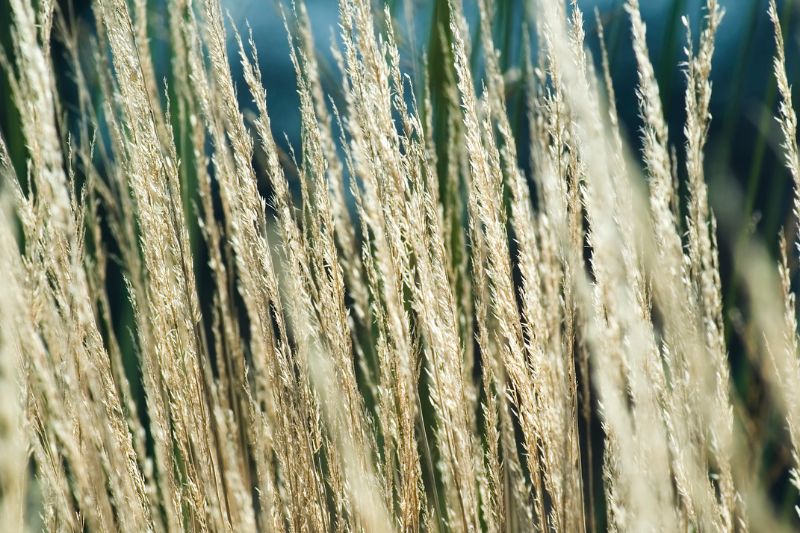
405	361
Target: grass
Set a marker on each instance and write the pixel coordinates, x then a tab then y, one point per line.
464	303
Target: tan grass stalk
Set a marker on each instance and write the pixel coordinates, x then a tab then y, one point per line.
13	441
784	355
612	298
428	372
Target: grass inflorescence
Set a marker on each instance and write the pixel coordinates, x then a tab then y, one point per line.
402	325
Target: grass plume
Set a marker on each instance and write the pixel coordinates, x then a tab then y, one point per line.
400	327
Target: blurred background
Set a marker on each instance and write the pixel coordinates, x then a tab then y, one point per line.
750	191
